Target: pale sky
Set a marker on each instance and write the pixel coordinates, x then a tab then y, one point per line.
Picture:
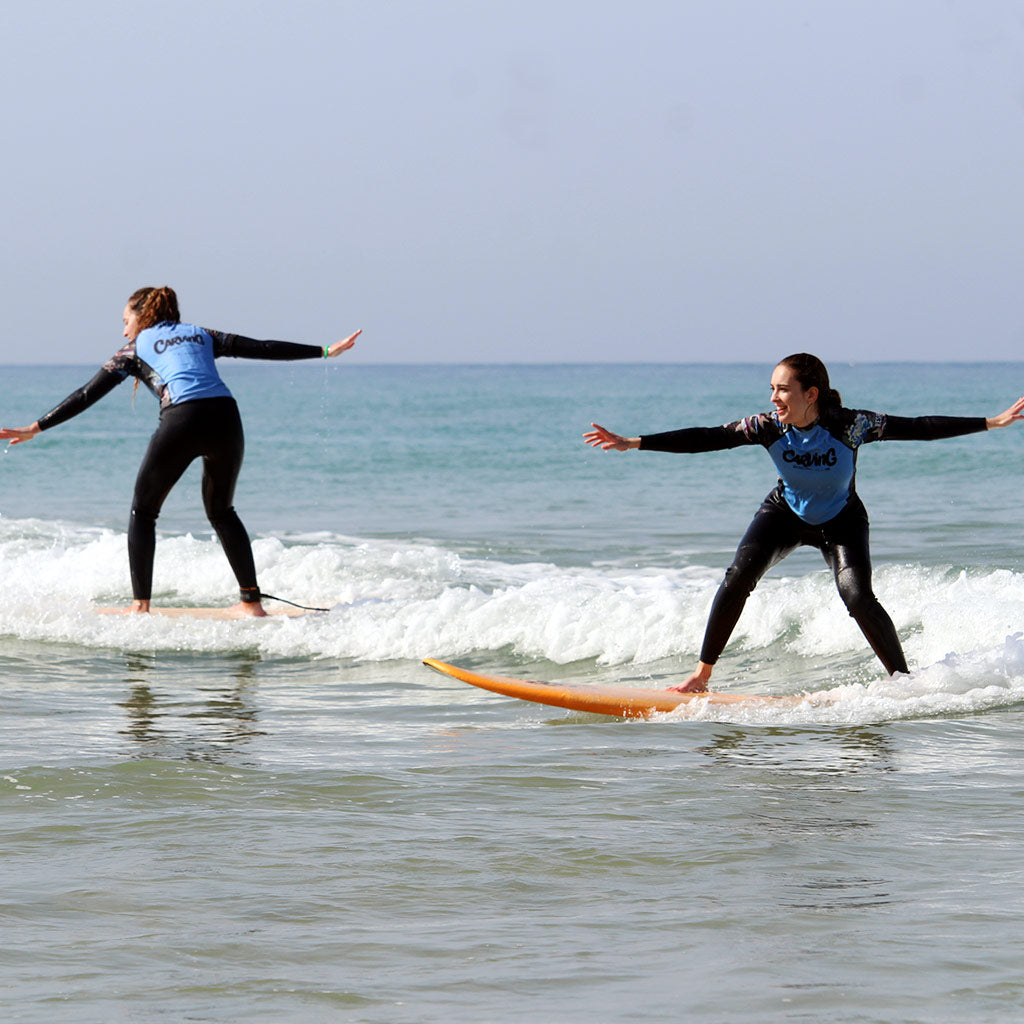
520	180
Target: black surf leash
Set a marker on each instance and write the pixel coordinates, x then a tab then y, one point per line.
284	600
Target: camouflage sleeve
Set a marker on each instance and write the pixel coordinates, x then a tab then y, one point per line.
861	426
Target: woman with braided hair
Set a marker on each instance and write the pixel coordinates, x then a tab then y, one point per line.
813	440
198	419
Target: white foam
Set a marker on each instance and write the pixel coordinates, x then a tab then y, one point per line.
957	685
405	600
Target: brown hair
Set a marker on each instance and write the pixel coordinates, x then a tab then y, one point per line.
154	306
811	373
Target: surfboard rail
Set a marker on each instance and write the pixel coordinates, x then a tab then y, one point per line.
619	701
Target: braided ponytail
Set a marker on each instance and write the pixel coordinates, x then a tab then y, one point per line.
154	306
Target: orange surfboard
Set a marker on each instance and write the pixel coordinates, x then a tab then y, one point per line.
620	701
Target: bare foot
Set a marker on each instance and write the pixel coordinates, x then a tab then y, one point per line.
137	608
248	609
697	683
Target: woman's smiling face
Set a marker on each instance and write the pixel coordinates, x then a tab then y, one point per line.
795	406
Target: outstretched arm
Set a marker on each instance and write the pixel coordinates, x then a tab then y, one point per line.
599	437
78	401
239	347
1004	419
688	441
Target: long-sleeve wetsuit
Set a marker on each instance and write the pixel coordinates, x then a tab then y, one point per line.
814	503
198	419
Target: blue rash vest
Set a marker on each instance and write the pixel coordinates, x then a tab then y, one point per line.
817	465
816	469
181	357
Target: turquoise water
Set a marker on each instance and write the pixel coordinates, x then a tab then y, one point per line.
296	821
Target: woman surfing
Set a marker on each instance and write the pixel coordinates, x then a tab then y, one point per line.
198	419
813	441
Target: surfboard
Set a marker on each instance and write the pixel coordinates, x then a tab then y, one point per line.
204	613
620	701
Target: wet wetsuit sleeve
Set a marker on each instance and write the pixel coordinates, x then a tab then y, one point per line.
239	347
930	428
691	440
78	401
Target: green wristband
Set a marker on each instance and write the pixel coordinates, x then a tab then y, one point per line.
327	349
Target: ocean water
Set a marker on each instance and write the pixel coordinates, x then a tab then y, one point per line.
294	820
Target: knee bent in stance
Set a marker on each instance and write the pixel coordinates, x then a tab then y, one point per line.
856	593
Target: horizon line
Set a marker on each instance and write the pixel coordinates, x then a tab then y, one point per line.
599	362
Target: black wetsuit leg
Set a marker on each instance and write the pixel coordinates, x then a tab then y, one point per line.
222	462
844	543
211	429
773	533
